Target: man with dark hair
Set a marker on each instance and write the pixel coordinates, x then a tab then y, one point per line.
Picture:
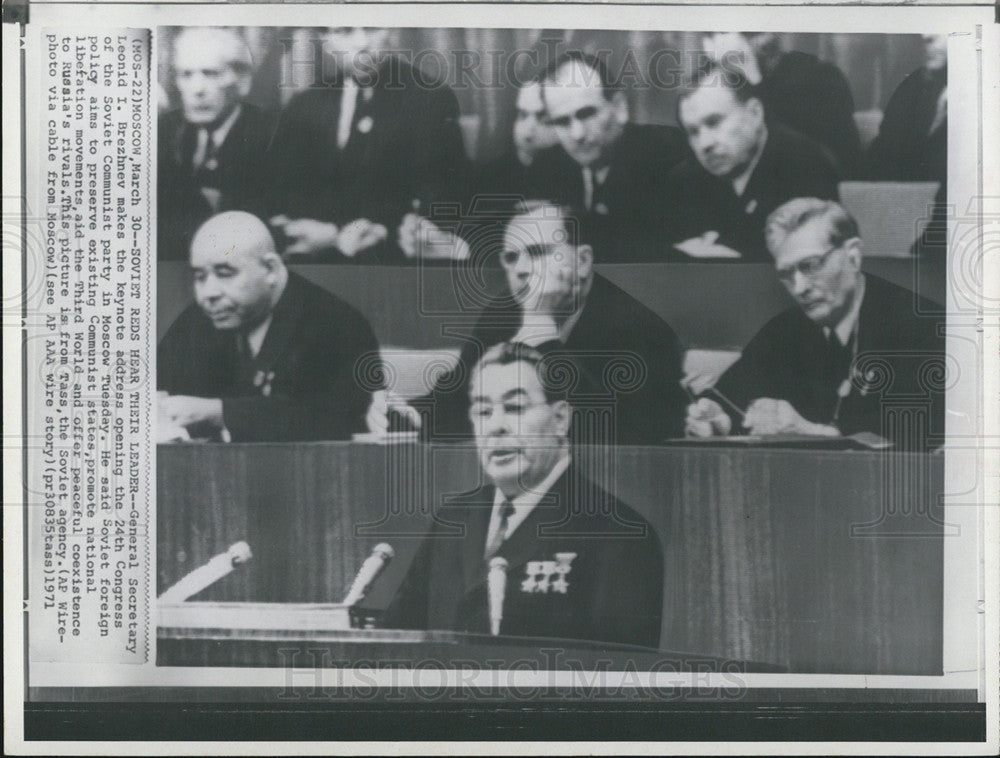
608	169
742	169
263	355
855	354
798	90
623	362
209	148
354	155
577	563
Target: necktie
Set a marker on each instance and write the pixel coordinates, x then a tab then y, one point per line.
496	539
841	354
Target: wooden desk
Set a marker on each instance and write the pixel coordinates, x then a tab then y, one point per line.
814	561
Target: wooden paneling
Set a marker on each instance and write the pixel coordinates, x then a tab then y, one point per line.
782	557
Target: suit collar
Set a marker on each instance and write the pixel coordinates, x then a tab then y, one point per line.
285	318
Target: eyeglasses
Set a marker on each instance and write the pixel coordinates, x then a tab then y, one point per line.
582	114
511	257
808	267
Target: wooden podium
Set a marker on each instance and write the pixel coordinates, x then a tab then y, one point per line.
320	635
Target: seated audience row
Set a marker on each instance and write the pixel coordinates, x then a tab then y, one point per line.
370	165
263	355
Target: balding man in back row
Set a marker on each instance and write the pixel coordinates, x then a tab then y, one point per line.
263	354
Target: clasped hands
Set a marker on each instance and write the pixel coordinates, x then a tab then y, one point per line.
417	236
764	416
307	236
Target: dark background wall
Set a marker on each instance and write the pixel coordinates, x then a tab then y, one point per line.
483	65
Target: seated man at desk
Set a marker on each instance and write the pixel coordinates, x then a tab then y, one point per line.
622	359
855	354
263	355
742	168
578	563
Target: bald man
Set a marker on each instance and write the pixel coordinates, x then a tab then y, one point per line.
262	355
210	147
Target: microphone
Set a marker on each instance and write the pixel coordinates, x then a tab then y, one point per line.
374	565
496	586
207	575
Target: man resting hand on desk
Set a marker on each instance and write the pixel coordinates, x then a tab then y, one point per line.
263	355
855	354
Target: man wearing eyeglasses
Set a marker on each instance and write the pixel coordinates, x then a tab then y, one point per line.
577	563
620	360
855	354
608	169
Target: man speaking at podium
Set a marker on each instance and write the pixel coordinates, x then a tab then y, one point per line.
579	564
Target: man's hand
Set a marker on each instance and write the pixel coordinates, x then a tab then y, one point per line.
706	246
378	412
769	416
306	236
536	329
705	418
184	410
419	237
359	235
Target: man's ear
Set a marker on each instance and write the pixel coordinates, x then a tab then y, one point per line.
619	103
756	108
243	85
584	261
562	414
853	249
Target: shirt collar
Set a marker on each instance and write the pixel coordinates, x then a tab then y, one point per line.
740	182
525	503
848	323
219	133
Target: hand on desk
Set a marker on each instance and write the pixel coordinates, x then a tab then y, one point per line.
382	403
705	418
706	246
419	237
182	411
359	235
306	236
769	416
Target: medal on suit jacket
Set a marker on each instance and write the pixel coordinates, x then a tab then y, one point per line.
545	576
262	380
365	124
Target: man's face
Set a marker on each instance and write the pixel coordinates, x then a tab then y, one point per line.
209	86
519	434
587	124
531	131
355	49
233	288
543	269
724	133
827	293
935	51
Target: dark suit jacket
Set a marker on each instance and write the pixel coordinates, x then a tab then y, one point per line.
615	581
625	220
789	359
412	150
813	98
312	347
626	371
790	166
239	177
904	151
